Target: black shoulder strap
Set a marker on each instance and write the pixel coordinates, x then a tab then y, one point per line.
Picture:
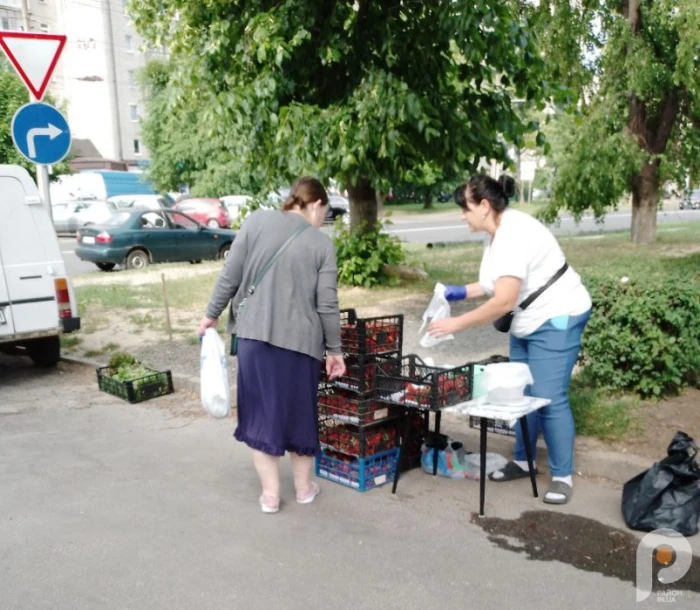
528	301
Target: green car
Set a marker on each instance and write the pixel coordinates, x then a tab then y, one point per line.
137	238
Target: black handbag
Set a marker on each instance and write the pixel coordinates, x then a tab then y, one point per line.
503	323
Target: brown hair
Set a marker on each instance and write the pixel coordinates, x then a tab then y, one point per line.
306	190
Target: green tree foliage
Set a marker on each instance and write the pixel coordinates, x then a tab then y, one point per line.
13	95
369	93
185	149
639	101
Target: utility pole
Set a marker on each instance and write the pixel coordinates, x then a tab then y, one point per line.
42	172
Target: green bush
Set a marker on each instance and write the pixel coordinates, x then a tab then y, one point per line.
644	334
362	255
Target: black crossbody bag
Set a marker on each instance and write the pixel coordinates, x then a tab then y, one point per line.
503	323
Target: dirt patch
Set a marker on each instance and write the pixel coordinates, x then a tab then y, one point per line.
657	423
582	543
149	276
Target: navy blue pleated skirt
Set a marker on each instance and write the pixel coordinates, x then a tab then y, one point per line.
277	399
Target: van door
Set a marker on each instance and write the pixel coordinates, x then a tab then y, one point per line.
29	253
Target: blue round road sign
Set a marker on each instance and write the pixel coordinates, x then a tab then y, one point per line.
41	133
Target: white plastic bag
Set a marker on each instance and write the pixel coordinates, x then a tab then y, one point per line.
214	377
438	309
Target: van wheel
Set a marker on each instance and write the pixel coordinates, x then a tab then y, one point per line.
223	253
45	352
137	259
105	266
196	262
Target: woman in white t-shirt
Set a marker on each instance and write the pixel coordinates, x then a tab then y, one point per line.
522	256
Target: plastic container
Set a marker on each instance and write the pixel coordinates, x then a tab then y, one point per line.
158	383
347	406
359	441
365	336
422	386
506	382
361	474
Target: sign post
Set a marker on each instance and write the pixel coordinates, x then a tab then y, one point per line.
34	57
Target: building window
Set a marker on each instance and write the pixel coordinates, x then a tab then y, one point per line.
43	27
134	112
5	23
137	147
127	42
131	74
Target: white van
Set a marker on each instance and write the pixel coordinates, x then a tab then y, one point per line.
37	302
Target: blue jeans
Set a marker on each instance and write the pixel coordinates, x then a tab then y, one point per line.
551	353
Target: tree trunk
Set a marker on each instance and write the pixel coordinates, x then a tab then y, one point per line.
645	203
380	204
363	205
428	201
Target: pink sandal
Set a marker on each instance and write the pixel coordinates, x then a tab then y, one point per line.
310	496
270	504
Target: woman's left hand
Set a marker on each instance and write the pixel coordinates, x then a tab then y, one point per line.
205	323
448	326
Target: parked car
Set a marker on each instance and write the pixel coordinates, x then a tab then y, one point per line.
234	203
691	200
152	202
338	206
137	238
210	212
69	216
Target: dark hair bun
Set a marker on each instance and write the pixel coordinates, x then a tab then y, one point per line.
507	185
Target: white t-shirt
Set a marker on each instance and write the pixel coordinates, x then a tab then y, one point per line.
524	248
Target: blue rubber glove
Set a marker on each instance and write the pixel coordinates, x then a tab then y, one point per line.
455	293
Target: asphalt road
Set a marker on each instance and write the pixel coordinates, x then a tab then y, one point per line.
442	227
110	506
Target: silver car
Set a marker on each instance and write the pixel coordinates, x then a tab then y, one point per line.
69	216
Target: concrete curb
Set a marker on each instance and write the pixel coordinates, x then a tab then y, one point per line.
590	461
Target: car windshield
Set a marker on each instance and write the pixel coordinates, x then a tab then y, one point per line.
118	219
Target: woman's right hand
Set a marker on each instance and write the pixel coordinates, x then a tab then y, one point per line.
335	366
205	323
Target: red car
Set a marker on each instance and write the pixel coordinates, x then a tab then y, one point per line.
210	212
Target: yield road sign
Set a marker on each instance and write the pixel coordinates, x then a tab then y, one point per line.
34	57
41	133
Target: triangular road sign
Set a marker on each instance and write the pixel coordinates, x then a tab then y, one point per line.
34	56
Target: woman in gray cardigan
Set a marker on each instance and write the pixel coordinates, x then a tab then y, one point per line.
283	331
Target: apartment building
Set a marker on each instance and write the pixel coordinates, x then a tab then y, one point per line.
96	77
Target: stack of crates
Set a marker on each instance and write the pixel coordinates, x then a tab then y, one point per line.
359	435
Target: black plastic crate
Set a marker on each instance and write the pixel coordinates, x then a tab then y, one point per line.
348	407
358	441
425	387
158	383
365	336
361	371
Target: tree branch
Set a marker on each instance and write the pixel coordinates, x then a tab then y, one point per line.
666	121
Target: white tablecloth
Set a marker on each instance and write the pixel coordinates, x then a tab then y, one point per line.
480	408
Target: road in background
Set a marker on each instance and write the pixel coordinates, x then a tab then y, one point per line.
446	228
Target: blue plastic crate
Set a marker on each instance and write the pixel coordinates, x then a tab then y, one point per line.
359	473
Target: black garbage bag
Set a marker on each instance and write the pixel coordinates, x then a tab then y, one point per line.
668	494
